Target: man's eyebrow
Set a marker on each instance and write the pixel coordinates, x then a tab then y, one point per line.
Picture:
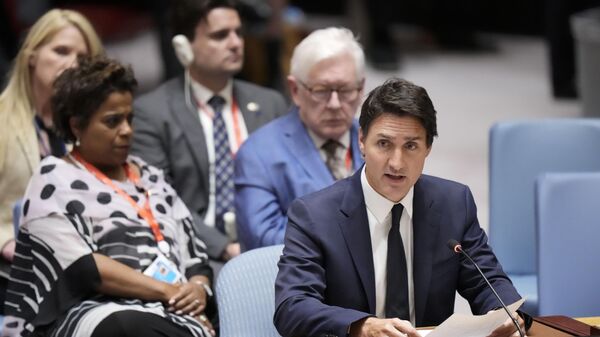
384	135
407	138
219	31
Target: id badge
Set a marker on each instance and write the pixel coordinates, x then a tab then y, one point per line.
163	269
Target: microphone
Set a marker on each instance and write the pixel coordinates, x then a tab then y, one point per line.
457	248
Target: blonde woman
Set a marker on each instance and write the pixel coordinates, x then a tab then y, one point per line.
51	46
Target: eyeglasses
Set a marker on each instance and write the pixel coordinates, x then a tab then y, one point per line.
323	94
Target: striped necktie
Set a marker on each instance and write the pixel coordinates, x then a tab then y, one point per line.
223	164
332	161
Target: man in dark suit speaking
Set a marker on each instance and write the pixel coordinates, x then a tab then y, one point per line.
368	255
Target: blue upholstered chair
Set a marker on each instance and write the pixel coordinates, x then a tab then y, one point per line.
568	249
519	152
245	293
17	215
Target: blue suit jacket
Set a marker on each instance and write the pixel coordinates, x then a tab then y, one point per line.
326	278
278	163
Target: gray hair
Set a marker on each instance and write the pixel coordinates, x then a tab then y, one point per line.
323	44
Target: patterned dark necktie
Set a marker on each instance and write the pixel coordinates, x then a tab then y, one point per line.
223	164
396	296
332	161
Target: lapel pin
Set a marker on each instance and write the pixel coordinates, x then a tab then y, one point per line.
252	106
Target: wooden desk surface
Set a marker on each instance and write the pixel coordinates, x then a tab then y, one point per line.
593	321
541	330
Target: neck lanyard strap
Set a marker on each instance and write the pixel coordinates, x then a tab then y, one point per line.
235	113
145	212
348	160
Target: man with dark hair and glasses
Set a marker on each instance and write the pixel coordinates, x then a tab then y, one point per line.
309	148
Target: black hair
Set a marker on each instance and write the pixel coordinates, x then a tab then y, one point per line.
186	14
80	91
402	98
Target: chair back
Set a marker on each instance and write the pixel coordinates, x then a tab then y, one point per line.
519	152
16	211
568	249
245	293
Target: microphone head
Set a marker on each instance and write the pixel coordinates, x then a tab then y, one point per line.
454	245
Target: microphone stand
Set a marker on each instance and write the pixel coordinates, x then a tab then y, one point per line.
456	247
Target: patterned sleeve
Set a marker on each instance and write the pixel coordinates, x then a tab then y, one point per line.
53	267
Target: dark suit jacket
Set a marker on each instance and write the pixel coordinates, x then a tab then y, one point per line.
326	278
276	165
169	135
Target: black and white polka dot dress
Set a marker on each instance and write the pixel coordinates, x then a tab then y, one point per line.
68	214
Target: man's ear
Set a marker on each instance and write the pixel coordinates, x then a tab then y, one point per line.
361	141
429	150
362	87
294	89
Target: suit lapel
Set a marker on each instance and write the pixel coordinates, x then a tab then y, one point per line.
304	150
426	219
357	160
189	122
243	101
355	229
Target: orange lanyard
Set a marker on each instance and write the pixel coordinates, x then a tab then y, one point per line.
349	160
145	213
237	131
236	124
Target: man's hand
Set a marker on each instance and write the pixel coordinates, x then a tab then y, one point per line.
508	329
379	327
231	250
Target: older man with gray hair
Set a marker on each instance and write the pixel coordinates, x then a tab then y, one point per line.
309	148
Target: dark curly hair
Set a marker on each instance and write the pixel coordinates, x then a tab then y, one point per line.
80	91
184	15
402	98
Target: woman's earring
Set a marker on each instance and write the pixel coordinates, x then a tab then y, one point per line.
77	143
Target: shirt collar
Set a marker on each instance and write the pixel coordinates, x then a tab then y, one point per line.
203	94
380	206
344	139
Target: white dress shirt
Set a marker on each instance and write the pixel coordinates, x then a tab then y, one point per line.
202	95
379	215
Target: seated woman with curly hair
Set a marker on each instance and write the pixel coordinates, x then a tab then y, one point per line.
106	247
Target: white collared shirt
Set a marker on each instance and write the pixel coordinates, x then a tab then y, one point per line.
202	95
379	214
340	153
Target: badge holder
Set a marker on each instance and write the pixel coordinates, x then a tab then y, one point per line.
163	269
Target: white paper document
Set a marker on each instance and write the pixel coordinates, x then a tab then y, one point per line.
472	326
